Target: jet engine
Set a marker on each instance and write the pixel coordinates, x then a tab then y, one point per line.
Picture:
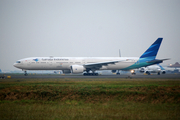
163	72
77	69
147	72
141	70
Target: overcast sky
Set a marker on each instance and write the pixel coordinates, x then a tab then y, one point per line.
87	28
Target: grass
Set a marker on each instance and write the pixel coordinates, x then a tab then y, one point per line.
80	110
56	99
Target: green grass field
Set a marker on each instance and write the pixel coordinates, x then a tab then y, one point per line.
90	98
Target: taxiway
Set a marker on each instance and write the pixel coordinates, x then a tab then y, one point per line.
165	76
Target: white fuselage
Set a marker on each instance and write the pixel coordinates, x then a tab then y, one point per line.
81	64
153	69
65	63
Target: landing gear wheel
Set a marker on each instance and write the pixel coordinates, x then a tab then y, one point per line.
117	73
96	74
148	73
25	73
133	73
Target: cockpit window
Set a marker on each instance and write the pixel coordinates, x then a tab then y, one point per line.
18	62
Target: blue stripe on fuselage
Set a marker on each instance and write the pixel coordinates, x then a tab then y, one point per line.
137	65
140	64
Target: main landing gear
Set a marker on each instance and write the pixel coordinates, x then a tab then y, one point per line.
118	73
25	73
90	74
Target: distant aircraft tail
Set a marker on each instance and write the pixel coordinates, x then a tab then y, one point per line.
161	67
151	52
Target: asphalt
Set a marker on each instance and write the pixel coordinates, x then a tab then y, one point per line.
164	76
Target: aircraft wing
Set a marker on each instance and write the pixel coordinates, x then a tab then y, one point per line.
100	64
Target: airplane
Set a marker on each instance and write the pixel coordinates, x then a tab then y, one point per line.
82	64
176	65
153	69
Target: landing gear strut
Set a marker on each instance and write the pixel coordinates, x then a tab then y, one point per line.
25	73
118	73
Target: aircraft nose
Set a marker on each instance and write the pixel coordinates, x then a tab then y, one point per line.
15	64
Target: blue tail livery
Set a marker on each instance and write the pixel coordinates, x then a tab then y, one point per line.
149	56
151	52
161	67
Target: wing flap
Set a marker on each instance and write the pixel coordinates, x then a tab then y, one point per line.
100	64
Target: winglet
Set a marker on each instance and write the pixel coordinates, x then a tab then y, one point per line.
151	52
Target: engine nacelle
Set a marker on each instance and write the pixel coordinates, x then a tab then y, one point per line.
163	72
141	70
77	69
66	71
147	72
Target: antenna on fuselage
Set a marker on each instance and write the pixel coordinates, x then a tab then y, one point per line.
119	56
119	53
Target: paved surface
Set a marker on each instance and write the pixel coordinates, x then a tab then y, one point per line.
172	76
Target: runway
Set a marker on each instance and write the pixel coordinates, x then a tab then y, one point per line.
164	76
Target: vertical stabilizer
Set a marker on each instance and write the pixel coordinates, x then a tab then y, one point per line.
161	67
151	52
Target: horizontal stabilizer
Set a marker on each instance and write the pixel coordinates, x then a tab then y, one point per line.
157	60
